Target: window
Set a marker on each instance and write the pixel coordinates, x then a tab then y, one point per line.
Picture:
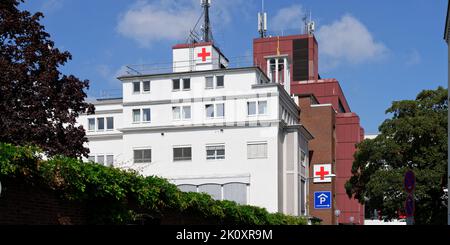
272	70
182	154
181	112
215	190
302	197
256	150
101	123
303	158
176	112
109	160
256	108
209	83
176	84
142	156
251	108
219	81
235	192
186	83
136	115
146	117
187	188
262	107
186	112
341	107
101	159
146	86
91	124
214	152
136	87
109	123
91	158
209	110
220	109
217	110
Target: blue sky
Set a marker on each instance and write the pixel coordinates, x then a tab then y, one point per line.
380	51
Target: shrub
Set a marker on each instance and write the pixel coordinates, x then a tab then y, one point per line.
120	196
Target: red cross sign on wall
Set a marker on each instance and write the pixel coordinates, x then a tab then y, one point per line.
322	173
203	54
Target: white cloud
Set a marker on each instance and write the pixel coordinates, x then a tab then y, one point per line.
288	18
171	20
348	41
156	21
413	58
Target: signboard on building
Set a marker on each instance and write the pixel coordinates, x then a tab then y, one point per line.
322	200
322	173
203	54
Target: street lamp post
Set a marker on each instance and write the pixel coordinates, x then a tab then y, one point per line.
337	213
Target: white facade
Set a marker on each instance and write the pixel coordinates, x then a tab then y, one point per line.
228	132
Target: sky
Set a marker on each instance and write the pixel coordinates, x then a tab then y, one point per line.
380	51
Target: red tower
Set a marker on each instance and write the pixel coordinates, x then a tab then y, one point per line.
336	134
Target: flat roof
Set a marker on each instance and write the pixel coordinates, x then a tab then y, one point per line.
250	68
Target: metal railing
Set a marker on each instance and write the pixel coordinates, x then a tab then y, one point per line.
169	67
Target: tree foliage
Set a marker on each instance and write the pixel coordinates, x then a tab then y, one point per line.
414	138
122	197
39	104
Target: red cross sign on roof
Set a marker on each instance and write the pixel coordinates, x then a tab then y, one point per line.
203	54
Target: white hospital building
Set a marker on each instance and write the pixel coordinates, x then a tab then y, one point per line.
230	132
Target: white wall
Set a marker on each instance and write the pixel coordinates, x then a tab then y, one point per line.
261	172
163	133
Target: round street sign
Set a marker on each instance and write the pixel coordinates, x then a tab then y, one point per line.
410	181
409	205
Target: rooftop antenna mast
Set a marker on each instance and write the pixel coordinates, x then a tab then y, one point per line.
262	22
206	27
310	26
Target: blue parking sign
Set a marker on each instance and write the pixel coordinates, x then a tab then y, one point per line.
322	200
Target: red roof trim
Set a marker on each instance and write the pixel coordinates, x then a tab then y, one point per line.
189	45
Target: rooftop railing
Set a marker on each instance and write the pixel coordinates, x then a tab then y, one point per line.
169	67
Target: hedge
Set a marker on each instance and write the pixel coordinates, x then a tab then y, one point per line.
123	196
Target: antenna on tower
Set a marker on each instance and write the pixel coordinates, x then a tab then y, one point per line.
206	27
262	21
310	25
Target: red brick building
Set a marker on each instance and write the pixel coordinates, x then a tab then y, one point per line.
325	112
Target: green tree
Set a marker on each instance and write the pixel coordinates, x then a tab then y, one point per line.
38	104
414	138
